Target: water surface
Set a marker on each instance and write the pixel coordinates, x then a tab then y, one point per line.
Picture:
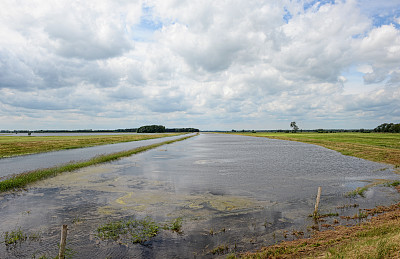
20	164
231	191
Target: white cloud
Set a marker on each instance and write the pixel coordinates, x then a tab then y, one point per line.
210	64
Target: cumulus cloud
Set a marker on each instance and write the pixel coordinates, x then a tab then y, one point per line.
224	64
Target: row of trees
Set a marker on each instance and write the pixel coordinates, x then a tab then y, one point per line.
151	129
388	127
162	129
182	130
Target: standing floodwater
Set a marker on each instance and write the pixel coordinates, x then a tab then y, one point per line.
233	193
20	164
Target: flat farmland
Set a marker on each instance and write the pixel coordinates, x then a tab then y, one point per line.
23	145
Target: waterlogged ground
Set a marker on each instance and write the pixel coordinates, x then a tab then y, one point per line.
233	193
20	164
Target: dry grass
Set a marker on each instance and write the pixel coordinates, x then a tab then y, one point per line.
14	145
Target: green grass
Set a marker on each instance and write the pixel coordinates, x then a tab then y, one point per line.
393	183
18	236
175	225
14	145
378	147
359	191
137	231
14	237
22	180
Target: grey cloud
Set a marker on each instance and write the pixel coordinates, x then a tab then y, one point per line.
381	102
226	62
77	35
35	102
126	93
15	72
375	77
166	101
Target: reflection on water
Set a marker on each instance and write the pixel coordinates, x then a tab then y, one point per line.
231	191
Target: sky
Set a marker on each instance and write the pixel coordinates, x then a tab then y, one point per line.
212	65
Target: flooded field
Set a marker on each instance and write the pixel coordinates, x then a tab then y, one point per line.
20	164
232	194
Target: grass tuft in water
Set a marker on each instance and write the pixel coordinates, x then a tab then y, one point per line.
359	191
14	237
324	215
18	236
175	225
392	184
219	250
138	231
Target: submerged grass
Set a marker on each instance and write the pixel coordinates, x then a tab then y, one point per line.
15	145
17	236
378	147
175	225
22	180
14	237
359	191
136	231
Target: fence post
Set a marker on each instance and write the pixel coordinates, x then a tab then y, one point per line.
317	201
63	242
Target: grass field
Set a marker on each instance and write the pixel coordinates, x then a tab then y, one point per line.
15	145
378	147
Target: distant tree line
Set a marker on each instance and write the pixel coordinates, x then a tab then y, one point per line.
182	130
388	127
143	129
151	129
162	129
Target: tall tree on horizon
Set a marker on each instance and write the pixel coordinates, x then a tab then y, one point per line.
294	127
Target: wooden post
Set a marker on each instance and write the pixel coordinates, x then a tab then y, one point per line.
317	201
63	242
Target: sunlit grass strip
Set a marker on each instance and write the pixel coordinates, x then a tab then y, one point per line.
22	180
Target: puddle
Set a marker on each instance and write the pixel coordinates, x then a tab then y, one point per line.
232	192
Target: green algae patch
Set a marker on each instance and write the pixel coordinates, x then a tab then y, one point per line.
170	204
230	203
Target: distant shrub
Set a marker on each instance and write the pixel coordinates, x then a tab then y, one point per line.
388	127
